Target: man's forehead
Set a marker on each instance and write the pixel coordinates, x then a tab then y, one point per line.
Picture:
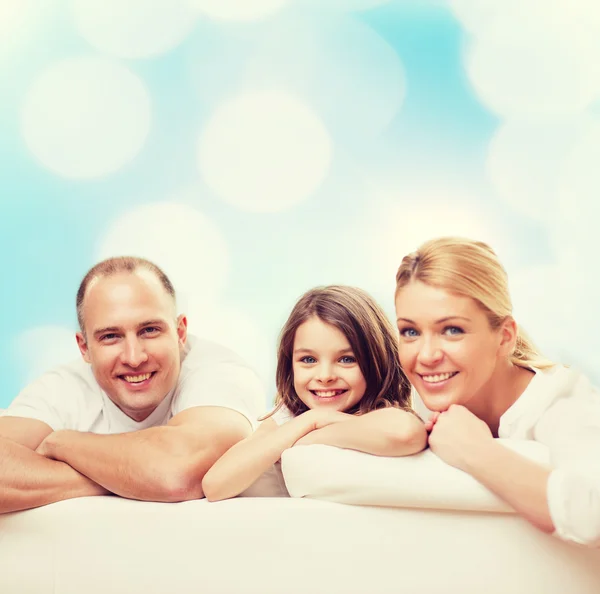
127	294
143	281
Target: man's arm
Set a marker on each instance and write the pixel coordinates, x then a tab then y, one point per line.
164	463
384	432
29	480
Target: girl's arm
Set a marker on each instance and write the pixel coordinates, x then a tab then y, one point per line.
247	460
383	432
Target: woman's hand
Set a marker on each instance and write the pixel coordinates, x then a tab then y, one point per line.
457	435
429	424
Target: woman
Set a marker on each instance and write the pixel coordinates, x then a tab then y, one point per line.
482	378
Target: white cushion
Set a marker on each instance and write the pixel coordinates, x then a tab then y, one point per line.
419	481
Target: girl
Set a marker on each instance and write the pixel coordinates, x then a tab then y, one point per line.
338	383
483	378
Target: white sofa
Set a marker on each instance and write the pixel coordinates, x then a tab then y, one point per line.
297	545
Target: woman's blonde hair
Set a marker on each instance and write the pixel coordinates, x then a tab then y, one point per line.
371	337
472	269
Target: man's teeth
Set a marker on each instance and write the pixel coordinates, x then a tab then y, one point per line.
328	393
136	379
439	377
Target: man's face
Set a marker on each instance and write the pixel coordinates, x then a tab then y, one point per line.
133	340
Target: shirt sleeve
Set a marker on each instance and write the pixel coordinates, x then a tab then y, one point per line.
220	379
571	429
46	400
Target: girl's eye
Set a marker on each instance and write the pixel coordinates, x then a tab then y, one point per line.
408	333
308	359
453	331
348	360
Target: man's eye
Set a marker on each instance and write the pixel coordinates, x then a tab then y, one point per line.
150	330
108	337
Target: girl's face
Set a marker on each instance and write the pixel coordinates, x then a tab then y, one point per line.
447	348
326	372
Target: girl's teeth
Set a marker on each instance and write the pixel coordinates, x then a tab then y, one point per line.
328	394
440	377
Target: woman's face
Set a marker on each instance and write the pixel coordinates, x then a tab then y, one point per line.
447	348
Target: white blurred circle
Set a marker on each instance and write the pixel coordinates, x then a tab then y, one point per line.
14	16
43	348
343	5
86	117
349	73
553	304
400	230
238	10
235	329
578	209
264	151
183	242
533	77
525	159
540	57
134	28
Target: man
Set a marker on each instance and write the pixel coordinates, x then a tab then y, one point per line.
144	415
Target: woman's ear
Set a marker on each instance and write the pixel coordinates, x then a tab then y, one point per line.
509	333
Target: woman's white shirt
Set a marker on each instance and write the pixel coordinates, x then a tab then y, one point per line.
561	409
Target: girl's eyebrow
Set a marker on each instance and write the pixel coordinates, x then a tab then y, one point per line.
305	350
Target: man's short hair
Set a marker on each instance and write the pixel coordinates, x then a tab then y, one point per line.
117	265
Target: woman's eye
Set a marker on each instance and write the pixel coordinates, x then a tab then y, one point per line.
348	360
408	333
453	331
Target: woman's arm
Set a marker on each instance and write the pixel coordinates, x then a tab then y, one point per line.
383	432
462	440
246	461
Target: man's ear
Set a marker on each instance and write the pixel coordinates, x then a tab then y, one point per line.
83	347
182	329
508	336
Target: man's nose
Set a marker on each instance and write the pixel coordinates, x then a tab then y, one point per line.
133	353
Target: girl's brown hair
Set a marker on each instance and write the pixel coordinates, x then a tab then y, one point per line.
371	336
472	269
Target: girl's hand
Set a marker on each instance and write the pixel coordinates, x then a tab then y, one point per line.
321	417
457	435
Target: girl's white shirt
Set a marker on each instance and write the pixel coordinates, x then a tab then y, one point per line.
271	482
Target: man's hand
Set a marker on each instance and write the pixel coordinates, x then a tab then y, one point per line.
46	448
457	435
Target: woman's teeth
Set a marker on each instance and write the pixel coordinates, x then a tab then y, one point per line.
439	377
